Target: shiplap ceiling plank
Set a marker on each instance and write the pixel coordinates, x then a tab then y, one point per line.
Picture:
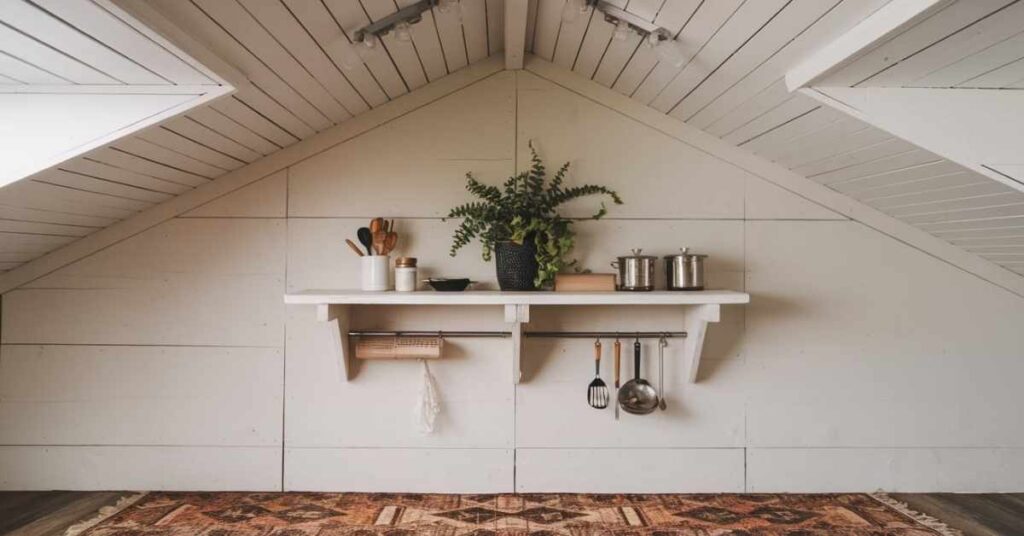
204	28
453	44
9	81
240	112
705	23
41	228
168	139
987	31
35	53
428	44
137	164
85	166
259	102
818	142
350	17
402	53
495	26
24	73
944	194
546	28
531	23
912	173
289	33
773	143
981	201
619	52
973	67
673	16
596	41
917	38
315	19
474	25
836	21
922	185
123	196
32	243
570	37
13	213
726	41
889	147
778	117
34	21
38	195
96	22
240	25
1003	77
794	18
194	131
883	165
765	100
969	214
853	141
150	151
213	119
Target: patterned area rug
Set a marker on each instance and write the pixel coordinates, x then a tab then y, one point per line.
351	514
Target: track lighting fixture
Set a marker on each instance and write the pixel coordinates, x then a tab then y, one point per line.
449	6
574	10
366	41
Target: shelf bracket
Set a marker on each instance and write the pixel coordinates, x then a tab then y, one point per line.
697	319
516	316
337	317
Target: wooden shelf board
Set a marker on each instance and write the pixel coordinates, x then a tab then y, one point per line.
489	297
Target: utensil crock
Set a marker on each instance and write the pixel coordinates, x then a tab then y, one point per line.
375	272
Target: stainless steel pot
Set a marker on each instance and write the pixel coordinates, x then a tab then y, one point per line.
685	271
636	271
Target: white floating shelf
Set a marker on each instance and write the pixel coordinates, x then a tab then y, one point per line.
703	307
493	297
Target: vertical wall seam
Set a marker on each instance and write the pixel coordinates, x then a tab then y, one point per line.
284	341
515	386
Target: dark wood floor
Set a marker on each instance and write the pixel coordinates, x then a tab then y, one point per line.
33	513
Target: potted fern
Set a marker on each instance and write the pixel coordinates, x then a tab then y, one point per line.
519	223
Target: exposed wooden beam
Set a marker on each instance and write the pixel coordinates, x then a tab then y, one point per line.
889	20
515	33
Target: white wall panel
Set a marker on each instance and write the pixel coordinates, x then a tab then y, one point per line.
644	470
152	395
400	470
965	470
140	468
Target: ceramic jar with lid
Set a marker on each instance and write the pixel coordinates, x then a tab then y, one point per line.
405	274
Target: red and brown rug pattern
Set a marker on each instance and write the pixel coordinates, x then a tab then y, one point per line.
352	514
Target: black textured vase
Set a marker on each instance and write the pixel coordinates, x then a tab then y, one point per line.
516	265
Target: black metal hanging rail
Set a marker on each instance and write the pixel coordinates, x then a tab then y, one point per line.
528	334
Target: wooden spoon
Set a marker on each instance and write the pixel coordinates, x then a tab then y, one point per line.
379	238
390	241
352	245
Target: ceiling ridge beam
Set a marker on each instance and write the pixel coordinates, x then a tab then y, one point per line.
515	33
890	20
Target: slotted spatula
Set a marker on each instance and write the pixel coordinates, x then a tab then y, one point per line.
597	391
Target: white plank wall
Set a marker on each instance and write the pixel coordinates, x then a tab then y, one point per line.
187	319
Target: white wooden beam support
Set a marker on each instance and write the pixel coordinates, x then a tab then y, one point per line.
515	33
696	323
516	316
888	21
337	318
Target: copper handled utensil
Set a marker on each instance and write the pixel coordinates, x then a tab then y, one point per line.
352	245
597	391
618	360
662	343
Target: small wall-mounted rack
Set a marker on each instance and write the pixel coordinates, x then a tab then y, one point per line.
702	307
526	334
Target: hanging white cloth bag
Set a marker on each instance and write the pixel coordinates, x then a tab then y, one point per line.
429	404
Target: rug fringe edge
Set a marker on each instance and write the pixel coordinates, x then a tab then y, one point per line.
104	513
923	519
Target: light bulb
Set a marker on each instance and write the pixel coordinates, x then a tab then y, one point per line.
622	31
574	9
369	47
652	40
402	31
346	54
449	6
671	52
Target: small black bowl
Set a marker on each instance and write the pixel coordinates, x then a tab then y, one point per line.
443	284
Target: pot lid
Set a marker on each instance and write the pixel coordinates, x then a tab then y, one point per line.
685	254
637	255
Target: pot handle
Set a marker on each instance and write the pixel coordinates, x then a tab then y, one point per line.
615	264
636	360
